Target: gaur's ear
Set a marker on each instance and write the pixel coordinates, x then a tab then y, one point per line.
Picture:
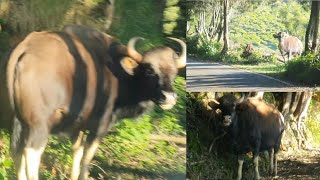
129	65
241	107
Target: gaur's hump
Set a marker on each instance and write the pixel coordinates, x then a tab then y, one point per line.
260	105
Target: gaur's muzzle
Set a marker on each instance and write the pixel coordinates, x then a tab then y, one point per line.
226	120
169	101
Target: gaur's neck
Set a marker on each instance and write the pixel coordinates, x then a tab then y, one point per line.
235	127
133	99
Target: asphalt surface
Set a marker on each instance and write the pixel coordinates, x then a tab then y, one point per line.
215	77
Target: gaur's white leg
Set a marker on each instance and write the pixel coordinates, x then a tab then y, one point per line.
275	165
256	166
289	55
33	156
22	174
271	156
16	148
35	145
240	163
89	152
77	148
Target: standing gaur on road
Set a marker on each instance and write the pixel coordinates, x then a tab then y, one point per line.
75	81
288	45
255	127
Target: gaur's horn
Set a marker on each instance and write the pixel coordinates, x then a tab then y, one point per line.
131	49
241	98
215	101
182	60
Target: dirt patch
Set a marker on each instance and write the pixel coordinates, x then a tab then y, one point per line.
300	164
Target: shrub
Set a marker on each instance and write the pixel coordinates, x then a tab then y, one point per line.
234	57
305	68
202	48
313	121
6	163
258	58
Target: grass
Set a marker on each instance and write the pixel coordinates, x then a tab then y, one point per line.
313	122
266	68
274	70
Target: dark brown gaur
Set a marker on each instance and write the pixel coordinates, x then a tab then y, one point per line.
79	81
288	45
255	127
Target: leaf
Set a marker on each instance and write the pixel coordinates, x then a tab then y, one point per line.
7	163
3	174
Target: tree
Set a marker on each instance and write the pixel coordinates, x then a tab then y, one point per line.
225	27
109	14
294	106
313	26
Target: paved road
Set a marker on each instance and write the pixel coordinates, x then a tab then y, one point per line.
204	77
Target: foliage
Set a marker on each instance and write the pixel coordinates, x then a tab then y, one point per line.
305	68
258	26
313	122
198	46
132	21
172	14
6	162
255	58
141	18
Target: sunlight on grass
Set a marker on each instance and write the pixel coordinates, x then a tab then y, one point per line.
264	68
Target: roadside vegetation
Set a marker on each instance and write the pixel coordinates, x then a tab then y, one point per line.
209	148
250	41
134	149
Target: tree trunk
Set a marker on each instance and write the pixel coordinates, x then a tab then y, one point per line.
313	26
220	29
201	23
300	115
109	14
294	109
225	28
316	28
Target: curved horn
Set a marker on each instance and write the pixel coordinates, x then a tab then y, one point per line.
241	98
131	49
215	101
182	60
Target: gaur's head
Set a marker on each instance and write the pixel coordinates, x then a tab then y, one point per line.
156	70
281	35
227	104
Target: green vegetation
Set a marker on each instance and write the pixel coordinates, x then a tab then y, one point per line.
199	47
253	22
305	69
259	25
129	151
313	122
